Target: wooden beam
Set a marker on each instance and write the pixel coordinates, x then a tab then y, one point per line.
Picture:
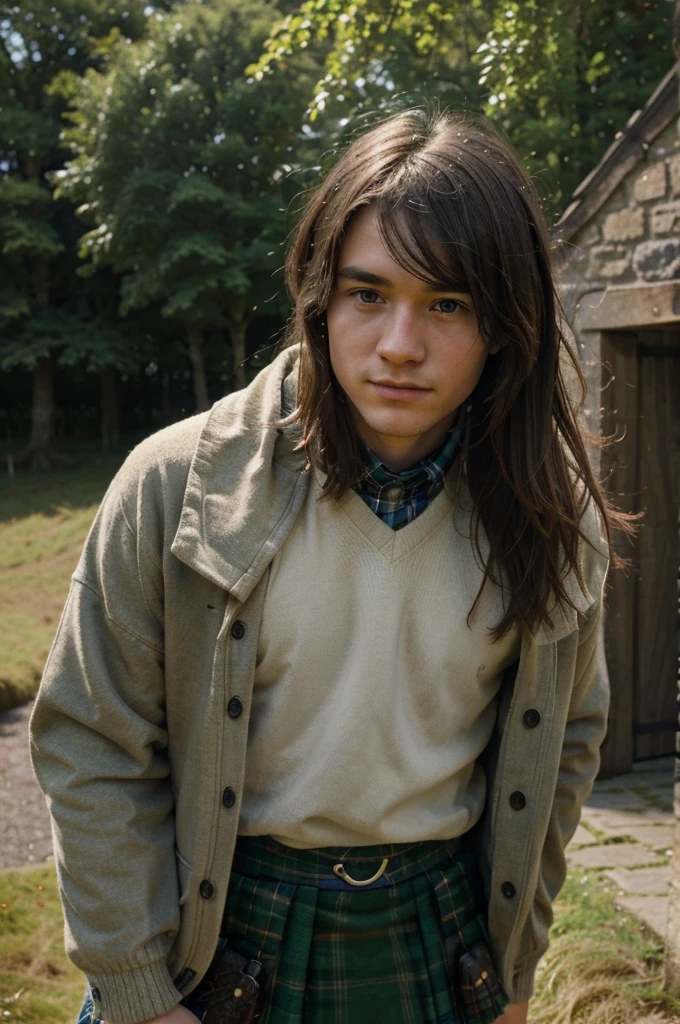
626	307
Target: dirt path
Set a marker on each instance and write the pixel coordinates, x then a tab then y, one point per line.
25	835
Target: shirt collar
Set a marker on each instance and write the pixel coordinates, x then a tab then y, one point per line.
427	474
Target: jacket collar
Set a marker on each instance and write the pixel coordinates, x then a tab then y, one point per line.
245	483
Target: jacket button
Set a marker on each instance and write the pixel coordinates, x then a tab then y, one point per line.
508	890
238	630
229	797
531	718
234	707
206	889
518	800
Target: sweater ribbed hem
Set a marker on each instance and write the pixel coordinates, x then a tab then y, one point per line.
134	995
523	982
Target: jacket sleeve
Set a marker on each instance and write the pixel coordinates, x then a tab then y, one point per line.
99	751
579	764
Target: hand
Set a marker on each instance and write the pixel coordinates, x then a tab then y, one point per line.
178	1015
515	1013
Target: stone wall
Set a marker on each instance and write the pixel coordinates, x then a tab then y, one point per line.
634	238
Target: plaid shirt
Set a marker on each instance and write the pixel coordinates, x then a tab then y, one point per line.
399	497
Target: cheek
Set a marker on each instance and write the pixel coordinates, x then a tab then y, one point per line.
340	357
346	347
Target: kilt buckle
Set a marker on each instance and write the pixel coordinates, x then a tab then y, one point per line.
339	870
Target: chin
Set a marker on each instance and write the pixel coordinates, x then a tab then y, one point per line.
393	427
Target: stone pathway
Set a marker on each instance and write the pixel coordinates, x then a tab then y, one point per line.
626	832
25	833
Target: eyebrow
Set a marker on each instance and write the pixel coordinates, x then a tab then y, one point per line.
367	277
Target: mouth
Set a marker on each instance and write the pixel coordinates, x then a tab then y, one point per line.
398	391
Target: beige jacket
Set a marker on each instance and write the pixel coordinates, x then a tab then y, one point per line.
139	729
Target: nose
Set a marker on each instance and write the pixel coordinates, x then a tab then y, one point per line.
402	337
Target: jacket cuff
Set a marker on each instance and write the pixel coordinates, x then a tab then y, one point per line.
135	995
523	982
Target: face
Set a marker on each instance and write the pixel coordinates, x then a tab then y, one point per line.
406	356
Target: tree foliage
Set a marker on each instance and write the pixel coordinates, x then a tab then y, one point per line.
39	44
178	164
563	79
560	77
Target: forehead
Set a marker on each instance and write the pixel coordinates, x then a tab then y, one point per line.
409	255
363	230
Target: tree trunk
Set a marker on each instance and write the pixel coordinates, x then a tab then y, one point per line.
38	452
238	324
195	336
109	408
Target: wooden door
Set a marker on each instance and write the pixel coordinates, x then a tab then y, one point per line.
641	404
655	693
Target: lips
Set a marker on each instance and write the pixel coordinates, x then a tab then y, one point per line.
399	392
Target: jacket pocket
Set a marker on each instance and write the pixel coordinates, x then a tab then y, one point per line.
184	873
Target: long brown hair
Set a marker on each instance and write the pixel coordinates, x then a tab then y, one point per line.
456	209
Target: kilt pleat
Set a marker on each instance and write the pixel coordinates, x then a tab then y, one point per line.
380	955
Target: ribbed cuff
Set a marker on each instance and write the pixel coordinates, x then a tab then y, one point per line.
134	995
523	982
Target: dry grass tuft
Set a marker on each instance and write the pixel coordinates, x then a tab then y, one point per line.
594	982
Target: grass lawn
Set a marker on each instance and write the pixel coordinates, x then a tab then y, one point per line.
44	519
38	985
603	967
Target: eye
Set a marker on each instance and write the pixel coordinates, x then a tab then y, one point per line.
448	305
366	296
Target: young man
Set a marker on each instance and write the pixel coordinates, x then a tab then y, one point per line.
324	694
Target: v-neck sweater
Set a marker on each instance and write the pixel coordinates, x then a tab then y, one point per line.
372	698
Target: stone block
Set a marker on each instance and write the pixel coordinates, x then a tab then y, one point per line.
613	822
657	261
624	224
615	268
613	801
659	816
608	261
666	218
611	855
650	183
674	168
590	235
646	779
653	910
643	881
582	837
656	837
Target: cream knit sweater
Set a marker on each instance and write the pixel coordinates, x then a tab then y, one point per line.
373	698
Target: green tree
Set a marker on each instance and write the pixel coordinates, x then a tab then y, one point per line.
179	162
379	53
563	78
39	43
560	77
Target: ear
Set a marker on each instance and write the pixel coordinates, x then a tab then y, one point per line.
494	347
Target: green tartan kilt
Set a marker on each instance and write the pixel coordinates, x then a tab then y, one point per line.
388	954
